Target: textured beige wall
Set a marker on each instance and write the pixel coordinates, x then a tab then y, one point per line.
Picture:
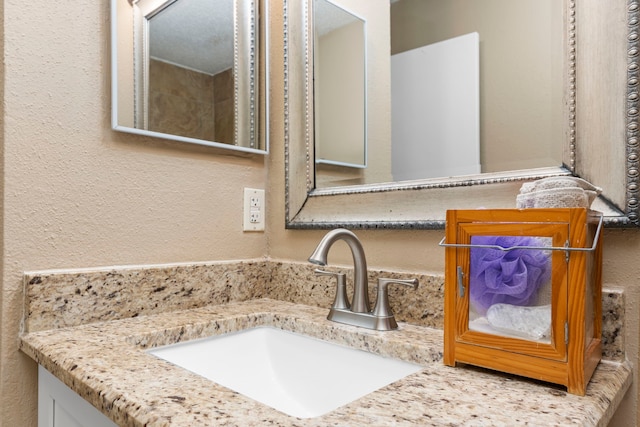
77	194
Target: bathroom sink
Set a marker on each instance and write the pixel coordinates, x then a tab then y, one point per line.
295	374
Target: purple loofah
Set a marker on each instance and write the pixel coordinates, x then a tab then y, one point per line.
510	277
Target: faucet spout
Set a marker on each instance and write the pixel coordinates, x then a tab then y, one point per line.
360	301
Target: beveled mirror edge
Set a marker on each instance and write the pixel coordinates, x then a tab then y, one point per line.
246	93
360	208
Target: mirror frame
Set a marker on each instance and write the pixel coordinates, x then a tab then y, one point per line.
246	74
422	204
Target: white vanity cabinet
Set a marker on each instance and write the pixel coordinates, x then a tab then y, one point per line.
59	406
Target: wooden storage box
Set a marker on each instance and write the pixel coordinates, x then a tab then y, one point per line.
523	292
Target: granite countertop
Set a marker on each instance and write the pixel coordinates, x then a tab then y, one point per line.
105	363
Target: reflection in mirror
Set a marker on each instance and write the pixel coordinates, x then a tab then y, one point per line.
519	71
457	109
188	93
339	86
590	151
435	109
187	70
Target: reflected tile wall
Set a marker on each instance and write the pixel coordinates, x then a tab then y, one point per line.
180	101
224	116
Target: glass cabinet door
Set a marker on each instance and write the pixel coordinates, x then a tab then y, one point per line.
512	287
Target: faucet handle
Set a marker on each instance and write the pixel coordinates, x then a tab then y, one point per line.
341	300
382	308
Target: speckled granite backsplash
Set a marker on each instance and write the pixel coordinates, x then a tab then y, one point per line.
55	299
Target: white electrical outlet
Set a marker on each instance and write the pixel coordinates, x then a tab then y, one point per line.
253	210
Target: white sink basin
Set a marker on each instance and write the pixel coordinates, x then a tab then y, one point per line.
295	374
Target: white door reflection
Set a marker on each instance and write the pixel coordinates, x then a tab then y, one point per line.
435	109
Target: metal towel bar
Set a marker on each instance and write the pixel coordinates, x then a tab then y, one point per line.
544	248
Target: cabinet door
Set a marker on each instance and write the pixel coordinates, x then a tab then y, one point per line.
507	280
59	406
62	418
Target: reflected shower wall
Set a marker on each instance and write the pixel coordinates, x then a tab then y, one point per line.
189	103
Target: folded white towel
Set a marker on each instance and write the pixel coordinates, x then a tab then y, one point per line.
557	192
526	322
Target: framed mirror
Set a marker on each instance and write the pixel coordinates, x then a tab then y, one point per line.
187	70
596	70
339	87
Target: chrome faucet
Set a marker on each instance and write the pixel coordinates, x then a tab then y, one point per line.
360	302
358	312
